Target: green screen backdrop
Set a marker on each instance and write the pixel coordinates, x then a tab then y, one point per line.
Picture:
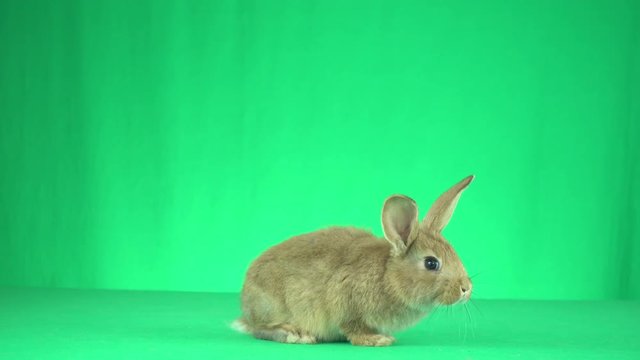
164	144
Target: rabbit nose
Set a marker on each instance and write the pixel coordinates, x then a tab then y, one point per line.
465	289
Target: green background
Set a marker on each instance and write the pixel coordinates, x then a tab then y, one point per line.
164	144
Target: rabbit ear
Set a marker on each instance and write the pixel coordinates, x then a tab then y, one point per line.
399	220
440	213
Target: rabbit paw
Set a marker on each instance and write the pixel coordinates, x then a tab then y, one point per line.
372	340
297	338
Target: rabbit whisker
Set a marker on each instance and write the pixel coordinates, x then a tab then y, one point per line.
474	275
473	333
476	307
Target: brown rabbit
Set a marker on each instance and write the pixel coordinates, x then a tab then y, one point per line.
345	283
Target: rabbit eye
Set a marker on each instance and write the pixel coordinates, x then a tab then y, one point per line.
431	263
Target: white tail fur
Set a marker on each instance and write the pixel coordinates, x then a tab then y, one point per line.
240	325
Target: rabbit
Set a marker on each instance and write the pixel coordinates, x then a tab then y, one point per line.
345	284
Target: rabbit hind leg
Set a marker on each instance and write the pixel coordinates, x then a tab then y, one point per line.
284	333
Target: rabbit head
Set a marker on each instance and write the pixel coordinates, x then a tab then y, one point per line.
424	269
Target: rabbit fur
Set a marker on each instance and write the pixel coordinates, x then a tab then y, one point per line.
344	283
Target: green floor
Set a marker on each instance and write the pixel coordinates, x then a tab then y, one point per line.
75	324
